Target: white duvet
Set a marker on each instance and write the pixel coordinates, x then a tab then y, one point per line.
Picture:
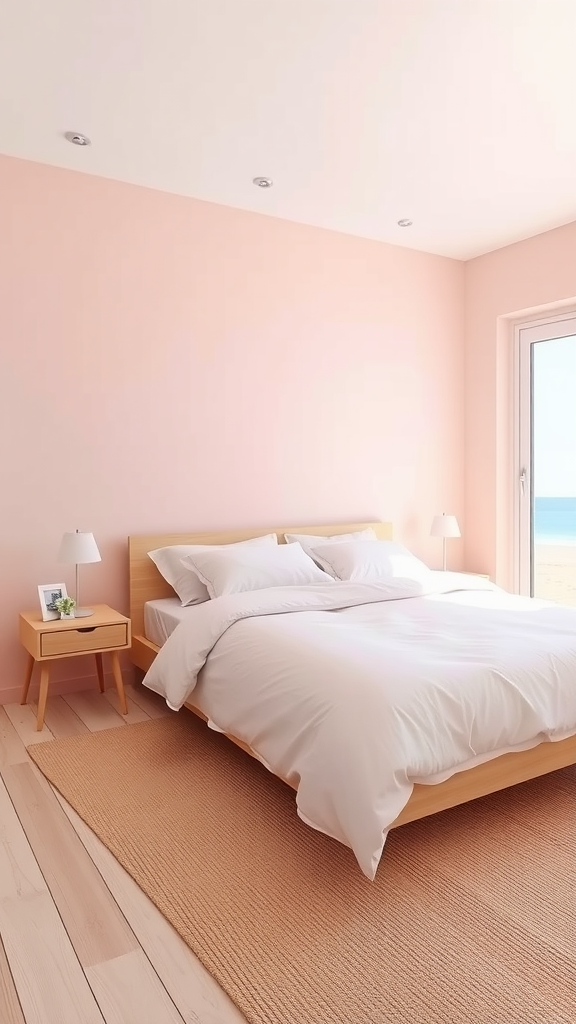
354	695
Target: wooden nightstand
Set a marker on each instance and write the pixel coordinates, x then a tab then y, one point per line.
104	632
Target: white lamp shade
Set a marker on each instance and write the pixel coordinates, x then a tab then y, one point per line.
445	526
79	549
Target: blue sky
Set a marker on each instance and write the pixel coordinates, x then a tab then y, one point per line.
555	418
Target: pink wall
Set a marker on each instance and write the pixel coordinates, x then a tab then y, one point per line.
518	281
169	364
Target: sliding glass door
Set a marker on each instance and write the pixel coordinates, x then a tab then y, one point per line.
546	459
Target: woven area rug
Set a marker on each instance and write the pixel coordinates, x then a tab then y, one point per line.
471	920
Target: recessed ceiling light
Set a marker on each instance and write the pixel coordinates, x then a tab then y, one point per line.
77	139
405	223
263	182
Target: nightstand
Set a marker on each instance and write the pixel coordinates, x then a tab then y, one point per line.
104	632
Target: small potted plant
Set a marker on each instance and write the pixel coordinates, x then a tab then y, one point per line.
65	605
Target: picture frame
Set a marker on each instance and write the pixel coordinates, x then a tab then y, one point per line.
48	593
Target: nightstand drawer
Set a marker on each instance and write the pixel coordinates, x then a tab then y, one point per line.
83	638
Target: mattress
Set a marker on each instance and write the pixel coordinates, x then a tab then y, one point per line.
161	618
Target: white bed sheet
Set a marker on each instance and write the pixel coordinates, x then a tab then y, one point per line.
354	697
162	616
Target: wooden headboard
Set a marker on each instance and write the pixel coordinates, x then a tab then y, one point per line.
146	583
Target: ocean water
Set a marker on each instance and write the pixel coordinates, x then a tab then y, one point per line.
555	521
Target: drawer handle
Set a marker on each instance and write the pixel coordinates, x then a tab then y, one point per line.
86	629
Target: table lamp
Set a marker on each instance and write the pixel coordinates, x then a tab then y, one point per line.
444	526
79	549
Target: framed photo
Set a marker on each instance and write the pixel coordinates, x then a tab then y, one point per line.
48	594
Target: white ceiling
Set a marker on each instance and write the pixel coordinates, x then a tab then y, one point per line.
459	114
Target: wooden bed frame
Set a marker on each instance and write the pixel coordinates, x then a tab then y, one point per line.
146	584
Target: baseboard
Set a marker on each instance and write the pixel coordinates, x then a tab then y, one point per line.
11	695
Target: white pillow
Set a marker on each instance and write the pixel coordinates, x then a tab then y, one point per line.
183	580
233	571
377	560
308	541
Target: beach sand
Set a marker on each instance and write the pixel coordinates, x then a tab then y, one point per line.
555	573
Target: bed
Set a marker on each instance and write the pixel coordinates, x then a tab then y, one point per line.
147	586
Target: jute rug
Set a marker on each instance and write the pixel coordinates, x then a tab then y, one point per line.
471	920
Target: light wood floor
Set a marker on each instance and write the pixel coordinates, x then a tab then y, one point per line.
80	943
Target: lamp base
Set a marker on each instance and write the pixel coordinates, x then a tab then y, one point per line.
82	613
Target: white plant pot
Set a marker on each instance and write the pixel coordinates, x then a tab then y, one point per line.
66	615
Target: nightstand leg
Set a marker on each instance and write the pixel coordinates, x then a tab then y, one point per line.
28	680
100	671
43	695
117	673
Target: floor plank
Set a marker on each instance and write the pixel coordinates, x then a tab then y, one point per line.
135	712
19	871
50	983
197	995
12	749
91	917
162	966
10	1009
127	989
24	721
151	703
94	710
60	718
